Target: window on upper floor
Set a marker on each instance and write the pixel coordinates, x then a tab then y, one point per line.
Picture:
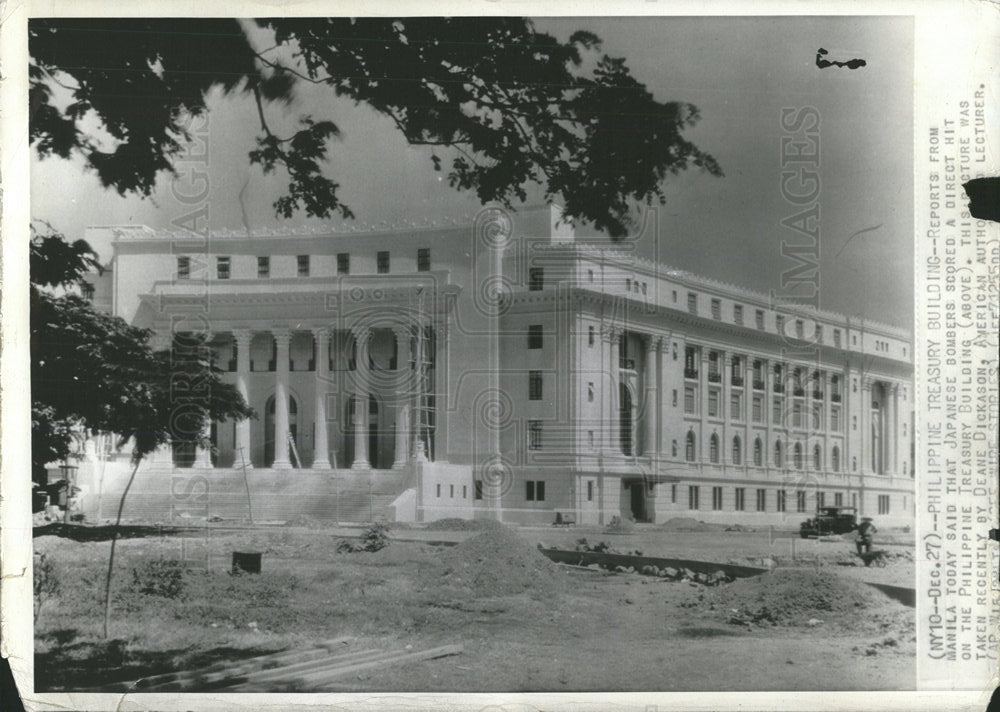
713	403
758	409
534	385
692	302
535	337
690	399
263	267
591	336
87	291
302	262
779	323
424	259
799	328
760	318
716	309
222	265
689	449
818	334
690	362
738	313
183	267
536	279
534	435
836	338
343	263
382	262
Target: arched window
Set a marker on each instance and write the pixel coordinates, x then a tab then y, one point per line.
713	448
689	447
777	453
798	456
817	458
737	451
835	459
758	453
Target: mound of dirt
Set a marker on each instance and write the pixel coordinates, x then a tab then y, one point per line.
498	562
796	596
454	524
687	524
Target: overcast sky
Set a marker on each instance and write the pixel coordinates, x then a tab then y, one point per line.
740	72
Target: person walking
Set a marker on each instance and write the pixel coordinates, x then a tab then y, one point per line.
866	532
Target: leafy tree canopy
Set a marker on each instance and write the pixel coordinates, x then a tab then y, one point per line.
92	371
511	106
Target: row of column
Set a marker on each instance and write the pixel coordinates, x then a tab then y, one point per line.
361	376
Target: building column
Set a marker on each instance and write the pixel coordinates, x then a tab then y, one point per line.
827	419
321	442
404	378
703	386
441	375
282	340
203	453
890	428
864	423
652	384
362	338
612	337
243	338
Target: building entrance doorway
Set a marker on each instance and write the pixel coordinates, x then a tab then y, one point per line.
638	501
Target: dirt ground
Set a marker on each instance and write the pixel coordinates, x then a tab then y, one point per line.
526	624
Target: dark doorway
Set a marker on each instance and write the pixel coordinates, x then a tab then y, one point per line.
638	491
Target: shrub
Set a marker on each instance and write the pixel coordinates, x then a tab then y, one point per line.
375	538
46	584
159	577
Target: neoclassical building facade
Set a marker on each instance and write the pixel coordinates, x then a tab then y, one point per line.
502	366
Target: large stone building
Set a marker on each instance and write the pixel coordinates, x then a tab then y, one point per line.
503	366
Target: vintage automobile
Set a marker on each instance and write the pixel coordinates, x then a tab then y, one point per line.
830	520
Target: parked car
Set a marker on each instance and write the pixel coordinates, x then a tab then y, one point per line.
830	520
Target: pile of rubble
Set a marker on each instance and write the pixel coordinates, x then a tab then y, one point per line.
498	562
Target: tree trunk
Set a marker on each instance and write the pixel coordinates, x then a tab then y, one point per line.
114	540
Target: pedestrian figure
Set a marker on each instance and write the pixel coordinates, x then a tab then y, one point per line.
866	531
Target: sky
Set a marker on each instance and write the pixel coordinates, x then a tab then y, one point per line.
740	72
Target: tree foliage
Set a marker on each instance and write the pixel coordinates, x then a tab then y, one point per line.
511	106
94	372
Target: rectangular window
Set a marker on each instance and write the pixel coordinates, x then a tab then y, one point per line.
692	302
590	490
692	496
465	492
736	406
741	499
780	503
535	338
87	291
424	259
738	314
690	362
536	279
776	413
800	501
779	323
263	267
716	498
796	415
799	328
762	500
222	267
478	486
590	336
758	409
713	403
883	504
534	385
343	263
838	499
673	400
590	438
673	494
835	419
820	500
451	491
716	309
438	489
689	399
760	319
183	267
303	265
818	334
534	435
535	490
590	391
836	338
382	262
